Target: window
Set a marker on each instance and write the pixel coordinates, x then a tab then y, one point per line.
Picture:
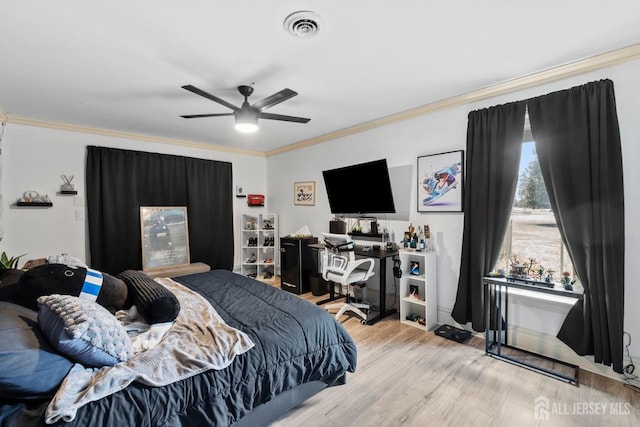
532	237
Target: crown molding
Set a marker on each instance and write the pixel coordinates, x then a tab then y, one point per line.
139	137
607	59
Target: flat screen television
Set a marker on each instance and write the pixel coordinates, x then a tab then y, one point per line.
361	189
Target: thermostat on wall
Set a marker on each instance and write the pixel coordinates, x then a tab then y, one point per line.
240	191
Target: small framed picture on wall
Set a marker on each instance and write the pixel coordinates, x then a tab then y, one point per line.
304	193
441	182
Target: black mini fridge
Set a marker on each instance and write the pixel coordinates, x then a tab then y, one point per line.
297	262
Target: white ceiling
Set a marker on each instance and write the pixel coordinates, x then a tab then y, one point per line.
119	65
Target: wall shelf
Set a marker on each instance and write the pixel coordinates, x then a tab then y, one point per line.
34	204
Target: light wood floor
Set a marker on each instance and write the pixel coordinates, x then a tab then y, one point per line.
406	377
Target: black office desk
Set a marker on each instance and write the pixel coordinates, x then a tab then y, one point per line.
381	256
497	317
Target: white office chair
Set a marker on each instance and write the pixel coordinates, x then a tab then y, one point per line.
339	265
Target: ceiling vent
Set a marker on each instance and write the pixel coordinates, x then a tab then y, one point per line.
303	24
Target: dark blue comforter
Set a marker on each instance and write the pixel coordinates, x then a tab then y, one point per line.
295	342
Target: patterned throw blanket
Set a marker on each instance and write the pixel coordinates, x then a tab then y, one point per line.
198	341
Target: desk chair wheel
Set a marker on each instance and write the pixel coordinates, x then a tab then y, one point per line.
364	322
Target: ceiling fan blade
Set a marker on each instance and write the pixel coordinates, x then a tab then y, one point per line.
274	99
283	118
195	116
207	95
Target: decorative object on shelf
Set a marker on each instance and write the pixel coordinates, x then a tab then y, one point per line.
517	270
549	277
566	281
366	226
33	198
251	224
67	187
427	239
413	244
304	193
267	223
440	182
414	268
165	236
408	235
412	317
414	291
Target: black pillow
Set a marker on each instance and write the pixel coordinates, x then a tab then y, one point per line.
155	303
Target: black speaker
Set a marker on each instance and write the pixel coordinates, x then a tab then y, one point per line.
337	227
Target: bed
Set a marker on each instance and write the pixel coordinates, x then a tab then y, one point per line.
298	349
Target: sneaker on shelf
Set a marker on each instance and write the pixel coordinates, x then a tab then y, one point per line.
251	259
268	261
268	275
253	275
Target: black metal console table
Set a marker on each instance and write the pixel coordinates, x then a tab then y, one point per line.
497	317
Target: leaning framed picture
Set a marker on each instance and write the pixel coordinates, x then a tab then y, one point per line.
165	236
304	193
441	182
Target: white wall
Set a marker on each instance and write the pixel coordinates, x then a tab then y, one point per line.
33	158
442	131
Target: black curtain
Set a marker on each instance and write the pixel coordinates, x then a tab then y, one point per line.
494	145
578	145
118	182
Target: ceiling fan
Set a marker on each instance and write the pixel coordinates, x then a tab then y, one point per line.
247	115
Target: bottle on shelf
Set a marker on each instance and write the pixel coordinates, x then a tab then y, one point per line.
427	239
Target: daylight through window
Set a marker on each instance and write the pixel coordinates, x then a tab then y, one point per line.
533	238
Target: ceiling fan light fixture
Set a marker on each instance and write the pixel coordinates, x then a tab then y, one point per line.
303	24
246	121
